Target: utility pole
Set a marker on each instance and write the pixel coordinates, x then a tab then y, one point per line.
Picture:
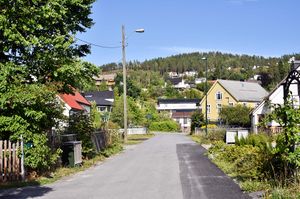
206	121
124	83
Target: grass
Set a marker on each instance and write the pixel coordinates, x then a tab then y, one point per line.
137	139
271	191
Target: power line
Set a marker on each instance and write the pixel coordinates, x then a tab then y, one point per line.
97	45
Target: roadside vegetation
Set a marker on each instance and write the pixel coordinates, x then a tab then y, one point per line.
261	162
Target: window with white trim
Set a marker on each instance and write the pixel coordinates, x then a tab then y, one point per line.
219	107
230	103
219	95
208	108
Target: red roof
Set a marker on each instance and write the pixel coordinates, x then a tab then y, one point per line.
75	101
182	114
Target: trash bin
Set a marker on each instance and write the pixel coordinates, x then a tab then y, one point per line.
71	155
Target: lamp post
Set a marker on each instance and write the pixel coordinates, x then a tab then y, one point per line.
205	58
124	78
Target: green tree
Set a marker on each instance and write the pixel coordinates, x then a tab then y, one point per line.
236	115
39	57
80	123
197	120
286	160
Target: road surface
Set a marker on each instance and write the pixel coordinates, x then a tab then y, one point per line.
167	166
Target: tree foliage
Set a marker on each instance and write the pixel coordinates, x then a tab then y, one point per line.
197	120
236	115
38	59
286	153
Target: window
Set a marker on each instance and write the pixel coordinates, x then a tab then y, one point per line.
185	120
208	108
219	107
230	103
101	108
244	103
219	95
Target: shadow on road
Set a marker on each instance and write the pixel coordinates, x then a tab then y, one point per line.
24	193
200	178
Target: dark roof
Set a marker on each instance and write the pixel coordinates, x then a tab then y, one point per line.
177	101
175	80
102	98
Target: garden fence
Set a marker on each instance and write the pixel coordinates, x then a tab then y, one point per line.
11	161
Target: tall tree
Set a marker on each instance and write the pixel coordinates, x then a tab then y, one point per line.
38	59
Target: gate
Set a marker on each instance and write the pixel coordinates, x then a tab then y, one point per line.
11	161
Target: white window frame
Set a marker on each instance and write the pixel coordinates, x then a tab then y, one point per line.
219	95
208	109
219	107
185	120
230	104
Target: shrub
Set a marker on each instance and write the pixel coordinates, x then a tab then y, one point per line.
261	140
245	162
166	126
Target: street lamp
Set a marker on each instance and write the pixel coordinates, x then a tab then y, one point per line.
124	77
205	58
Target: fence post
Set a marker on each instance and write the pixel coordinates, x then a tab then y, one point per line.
22	159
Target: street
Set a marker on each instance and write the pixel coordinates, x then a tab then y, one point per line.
167	166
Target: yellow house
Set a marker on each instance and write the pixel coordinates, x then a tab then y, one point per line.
230	93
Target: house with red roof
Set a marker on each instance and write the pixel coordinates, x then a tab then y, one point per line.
74	103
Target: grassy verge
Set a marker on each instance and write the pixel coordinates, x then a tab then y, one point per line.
137	139
66	171
223	158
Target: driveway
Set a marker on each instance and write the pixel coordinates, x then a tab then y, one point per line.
167	166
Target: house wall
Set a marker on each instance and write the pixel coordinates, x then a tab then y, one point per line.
185	127
264	108
227	100
177	106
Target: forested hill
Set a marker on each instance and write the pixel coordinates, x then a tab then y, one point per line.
220	65
193	61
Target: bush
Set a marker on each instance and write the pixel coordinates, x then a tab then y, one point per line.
262	141
244	162
166	126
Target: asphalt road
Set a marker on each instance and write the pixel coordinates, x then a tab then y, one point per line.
168	166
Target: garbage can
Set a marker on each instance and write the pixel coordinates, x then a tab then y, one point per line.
71	155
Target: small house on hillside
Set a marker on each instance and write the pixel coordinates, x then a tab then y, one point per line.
74	103
108	79
180	110
104	99
276	96
230	93
178	83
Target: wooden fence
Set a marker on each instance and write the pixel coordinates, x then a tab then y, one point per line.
11	161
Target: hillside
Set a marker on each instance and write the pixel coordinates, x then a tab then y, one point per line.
220	66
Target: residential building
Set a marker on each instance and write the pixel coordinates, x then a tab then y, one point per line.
231	93
109	79
200	80
190	73
172	74
276	96
178	83
74	103
180	110
104	99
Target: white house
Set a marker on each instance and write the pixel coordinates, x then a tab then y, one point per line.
180	110
200	80
178	83
276	96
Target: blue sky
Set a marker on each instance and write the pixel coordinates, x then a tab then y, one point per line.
254	27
